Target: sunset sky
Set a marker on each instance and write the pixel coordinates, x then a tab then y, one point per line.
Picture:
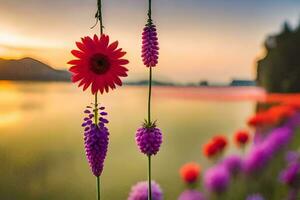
199	39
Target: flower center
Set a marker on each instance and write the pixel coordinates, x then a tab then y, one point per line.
99	63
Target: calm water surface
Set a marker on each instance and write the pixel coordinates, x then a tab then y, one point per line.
41	146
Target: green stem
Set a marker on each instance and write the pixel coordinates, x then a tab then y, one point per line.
149	96
98	188
149	11
149	112
99	15
149	179
96	109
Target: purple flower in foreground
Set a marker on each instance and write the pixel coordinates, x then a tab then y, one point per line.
233	164
217	179
293	194
292	156
291	175
149	139
294	121
278	139
140	191
261	153
95	140
150	45
255	197
256	160
191	195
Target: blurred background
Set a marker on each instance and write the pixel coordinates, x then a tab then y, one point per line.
218	59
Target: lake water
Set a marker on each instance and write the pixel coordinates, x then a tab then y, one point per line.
41	145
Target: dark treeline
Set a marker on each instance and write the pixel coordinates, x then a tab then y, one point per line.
279	70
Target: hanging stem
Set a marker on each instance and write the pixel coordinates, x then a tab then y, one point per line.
149	12
98	188
149	96
96	109
149	111
99	18
149	178
96	123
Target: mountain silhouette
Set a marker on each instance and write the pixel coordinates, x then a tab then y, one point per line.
29	69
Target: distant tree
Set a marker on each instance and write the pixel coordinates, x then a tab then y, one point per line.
203	83
279	70
286	28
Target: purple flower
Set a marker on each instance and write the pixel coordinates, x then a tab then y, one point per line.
233	164
96	143
263	152
256	160
294	121
191	195
217	179
278	139
140	191
290	175
293	194
149	139
150	45
292	156
255	197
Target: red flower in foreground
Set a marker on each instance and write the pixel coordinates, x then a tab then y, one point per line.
241	138
215	146
220	141
98	64
261	119
210	149
272	116
190	172
281	112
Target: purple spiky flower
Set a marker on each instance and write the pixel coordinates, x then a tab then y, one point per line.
150	45
149	139
256	160
233	164
191	195
140	191
95	139
217	179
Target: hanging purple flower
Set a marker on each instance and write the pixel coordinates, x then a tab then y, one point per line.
95	140
233	164
255	197
217	179
150	45
140	191
149	139
191	195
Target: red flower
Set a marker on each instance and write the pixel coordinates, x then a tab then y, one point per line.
215	146
190	172
98	64
241	138
260	119
220	141
210	149
272	116
281	112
